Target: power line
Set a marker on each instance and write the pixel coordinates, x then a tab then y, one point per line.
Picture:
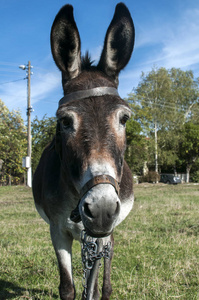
8	70
153	102
12	81
6	63
165	105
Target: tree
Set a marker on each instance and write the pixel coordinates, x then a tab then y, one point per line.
12	144
185	95
135	154
162	103
168	147
43	132
189	146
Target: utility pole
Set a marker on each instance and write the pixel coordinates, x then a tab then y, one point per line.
156	136
29	110
156	148
27	160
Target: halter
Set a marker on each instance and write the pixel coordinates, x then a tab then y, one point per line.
95	92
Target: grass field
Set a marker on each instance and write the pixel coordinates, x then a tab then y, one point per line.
156	247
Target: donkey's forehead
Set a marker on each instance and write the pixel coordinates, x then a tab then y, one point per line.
98	104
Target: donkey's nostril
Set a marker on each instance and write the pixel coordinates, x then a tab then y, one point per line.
114	213
117	209
87	211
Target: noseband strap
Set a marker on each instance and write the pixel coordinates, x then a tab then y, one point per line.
100	179
95	92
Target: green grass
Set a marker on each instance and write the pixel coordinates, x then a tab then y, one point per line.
156	247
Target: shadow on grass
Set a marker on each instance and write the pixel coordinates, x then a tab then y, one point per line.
9	290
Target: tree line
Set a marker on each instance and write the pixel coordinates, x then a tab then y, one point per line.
165	108
162	135
13	143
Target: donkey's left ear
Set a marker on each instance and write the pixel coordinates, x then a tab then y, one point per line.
118	44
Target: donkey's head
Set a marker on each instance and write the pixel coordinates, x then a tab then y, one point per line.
90	136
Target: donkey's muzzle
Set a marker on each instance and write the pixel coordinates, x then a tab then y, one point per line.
99	210
100	179
100	217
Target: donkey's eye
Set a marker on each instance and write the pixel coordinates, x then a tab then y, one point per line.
67	122
124	119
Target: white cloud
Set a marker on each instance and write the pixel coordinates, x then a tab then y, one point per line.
127	81
14	94
179	42
169	45
96	53
45	85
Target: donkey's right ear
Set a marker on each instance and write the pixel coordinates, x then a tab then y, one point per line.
65	43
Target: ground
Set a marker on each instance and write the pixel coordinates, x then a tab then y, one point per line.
156	247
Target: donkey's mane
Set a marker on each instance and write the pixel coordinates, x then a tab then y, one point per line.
86	62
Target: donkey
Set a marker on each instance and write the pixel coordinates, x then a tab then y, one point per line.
82	181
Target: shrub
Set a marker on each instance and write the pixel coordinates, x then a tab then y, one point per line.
151	177
195	176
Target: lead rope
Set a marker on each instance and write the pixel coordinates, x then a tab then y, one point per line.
92	252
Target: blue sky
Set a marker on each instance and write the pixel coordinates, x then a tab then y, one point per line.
167	35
